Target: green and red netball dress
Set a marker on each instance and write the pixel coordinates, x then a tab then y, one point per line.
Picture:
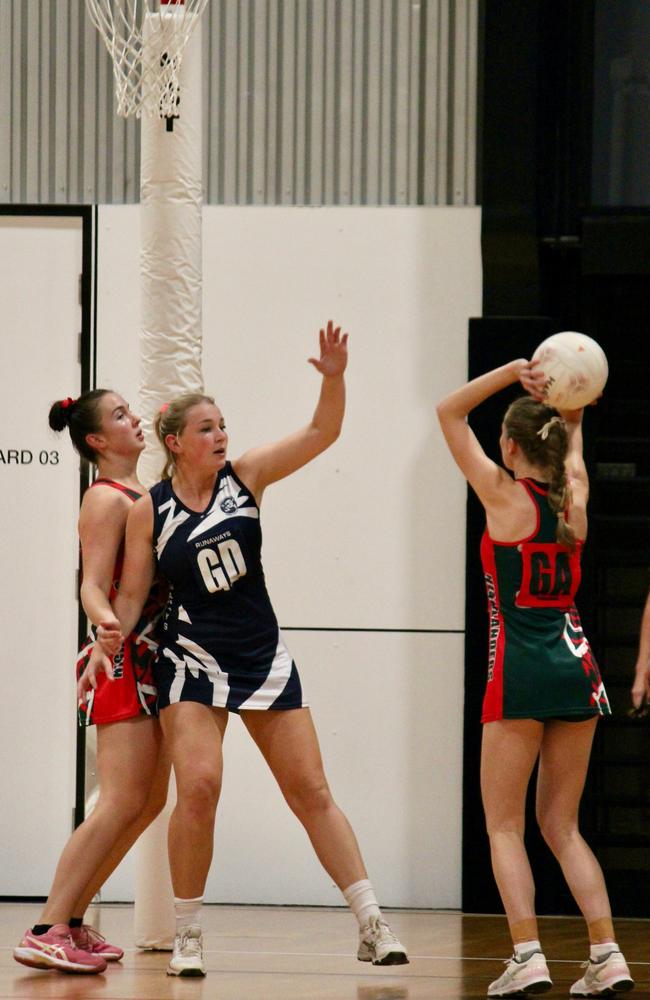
133	691
540	663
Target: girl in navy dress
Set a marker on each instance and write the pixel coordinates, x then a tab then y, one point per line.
222	650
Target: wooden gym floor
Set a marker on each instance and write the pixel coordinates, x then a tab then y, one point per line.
276	953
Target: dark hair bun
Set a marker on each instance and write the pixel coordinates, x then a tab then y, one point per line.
60	413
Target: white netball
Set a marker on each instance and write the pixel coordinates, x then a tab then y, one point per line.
575	367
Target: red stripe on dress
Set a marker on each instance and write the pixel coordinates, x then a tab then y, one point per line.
126	490
493	698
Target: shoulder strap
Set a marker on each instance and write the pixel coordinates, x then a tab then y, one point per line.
546	518
131	494
533	486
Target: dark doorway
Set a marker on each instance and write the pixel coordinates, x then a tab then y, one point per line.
566	245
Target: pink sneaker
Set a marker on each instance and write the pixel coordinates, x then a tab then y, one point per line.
609	975
87	938
56	950
520	978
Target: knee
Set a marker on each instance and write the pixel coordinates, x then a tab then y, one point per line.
126	806
309	798
156	802
509	826
198	794
556	830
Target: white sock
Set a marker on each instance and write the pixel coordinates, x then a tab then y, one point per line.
361	899
598	951
526	948
187	911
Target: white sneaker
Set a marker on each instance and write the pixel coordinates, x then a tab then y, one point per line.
609	975
378	944
187	959
530	976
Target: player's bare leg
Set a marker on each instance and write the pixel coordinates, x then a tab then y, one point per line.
289	744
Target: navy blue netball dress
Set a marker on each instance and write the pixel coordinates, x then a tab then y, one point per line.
221	644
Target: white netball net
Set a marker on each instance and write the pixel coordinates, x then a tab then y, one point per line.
146	75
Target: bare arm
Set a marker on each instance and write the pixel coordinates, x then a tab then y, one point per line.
139	565
641	686
102	523
263	465
136	579
574	464
488	479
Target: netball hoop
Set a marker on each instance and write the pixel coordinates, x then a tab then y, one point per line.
156	51
146	73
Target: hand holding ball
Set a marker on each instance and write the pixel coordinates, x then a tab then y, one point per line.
575	369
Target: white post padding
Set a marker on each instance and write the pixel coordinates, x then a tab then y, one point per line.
170	362
171	252
153	915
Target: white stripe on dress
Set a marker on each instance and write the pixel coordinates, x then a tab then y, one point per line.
276	681
198	660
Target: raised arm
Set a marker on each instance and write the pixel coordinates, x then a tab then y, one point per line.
486	477
641	686
267	463
576	469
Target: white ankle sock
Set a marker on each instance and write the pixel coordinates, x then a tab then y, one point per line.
361	899
526	948
187	911
598	951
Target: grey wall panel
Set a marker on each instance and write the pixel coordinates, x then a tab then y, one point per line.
306	102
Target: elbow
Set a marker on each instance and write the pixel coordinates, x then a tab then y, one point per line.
327	439
83	597
442	412
327	435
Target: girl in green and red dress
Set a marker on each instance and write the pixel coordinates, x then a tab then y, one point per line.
544	693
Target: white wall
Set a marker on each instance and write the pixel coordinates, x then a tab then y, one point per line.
370	537
41	320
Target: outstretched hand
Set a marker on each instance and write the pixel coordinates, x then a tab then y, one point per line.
99	662
333	352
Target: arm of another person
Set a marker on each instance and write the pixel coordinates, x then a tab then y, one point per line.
137	576
139	565
641	686
490	482
267	463
102	523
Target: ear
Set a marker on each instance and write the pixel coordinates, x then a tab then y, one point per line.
96	441
172	443
511	446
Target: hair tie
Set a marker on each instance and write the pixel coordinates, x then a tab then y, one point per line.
543	431
67	402
164	408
